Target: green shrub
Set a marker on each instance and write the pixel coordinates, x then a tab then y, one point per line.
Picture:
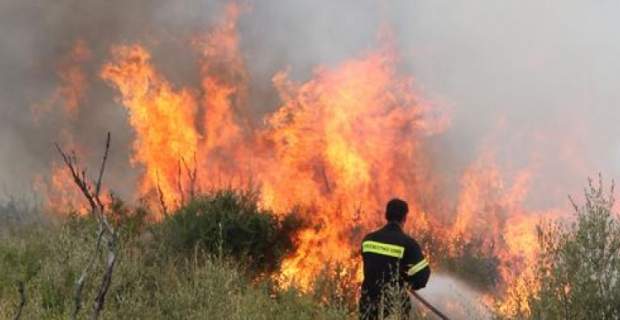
130	222
230	223
146	283
578	270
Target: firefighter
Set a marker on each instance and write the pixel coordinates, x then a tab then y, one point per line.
393	262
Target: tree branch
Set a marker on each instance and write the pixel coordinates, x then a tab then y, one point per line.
103	162
80	283
106	230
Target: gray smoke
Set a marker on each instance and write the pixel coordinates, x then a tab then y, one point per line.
536	81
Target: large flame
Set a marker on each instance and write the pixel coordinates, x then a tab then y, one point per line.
162	117
339	146
344	144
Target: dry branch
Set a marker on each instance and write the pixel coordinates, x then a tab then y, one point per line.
103	162
192	177
162	201
80	282
106	281
106	230
180	183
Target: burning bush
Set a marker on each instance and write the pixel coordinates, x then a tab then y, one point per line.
578	270
230	223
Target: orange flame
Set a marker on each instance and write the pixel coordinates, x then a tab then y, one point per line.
162	117
339	146
73	82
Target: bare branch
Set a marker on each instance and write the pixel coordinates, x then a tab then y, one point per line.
103	162
79	178
162	201
192	177
107	279
180	182
106	230
80	283
325	179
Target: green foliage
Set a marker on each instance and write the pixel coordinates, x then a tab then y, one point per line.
131	221
230	223
578	267
203	280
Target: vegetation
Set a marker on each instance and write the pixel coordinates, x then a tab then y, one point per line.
230	223
213	257
198	281
578	270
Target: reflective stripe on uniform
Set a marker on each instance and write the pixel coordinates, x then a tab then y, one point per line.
417	267
385	249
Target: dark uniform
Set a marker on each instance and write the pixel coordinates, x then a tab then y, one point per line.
390	257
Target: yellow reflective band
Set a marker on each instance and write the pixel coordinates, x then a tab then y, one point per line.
385	249
417	267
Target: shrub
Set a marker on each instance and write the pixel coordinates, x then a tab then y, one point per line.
230	223
146	283
131	222
578	270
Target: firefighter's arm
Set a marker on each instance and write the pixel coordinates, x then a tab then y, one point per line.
417	270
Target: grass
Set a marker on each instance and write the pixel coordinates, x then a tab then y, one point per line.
212	259
147	284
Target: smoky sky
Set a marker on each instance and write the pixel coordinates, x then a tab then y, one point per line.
535	81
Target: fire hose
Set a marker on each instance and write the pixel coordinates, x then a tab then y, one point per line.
435	311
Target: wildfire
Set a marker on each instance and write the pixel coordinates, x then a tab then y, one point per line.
339	145
343	144
162	117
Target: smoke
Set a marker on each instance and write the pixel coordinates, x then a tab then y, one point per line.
533	82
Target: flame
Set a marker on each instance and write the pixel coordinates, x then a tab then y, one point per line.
162	117
58	191
72	89
224	85
339	145
343	144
